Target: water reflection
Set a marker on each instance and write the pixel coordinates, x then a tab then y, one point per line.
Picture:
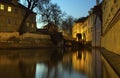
97	63
73	65
58	63
82	62
21	63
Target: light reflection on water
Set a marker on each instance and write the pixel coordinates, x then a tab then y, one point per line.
56	72
41	69
73	65
47	63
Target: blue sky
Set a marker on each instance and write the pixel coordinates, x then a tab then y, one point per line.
76	8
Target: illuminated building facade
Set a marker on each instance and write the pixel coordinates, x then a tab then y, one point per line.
83	26
87	30
111	25
78	28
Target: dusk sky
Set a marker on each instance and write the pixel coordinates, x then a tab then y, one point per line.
76	8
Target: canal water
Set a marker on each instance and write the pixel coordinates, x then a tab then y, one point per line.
50	63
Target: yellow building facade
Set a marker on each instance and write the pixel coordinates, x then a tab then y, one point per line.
77	28
87	29
111	25
83	27
11	15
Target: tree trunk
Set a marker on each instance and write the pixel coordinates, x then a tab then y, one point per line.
23	29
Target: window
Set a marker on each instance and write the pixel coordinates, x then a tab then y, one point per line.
111	9
14	21
27	24
1	6
16	10
32	25
9	9
9	21
115	1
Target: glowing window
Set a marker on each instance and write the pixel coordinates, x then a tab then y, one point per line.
9	9
32	25
27	24
1	6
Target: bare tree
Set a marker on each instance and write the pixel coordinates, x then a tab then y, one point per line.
31	4
56	14
51	13
44	10
67	24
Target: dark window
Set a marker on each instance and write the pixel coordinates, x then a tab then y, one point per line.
115	1
16	10
14	21
111	9
9	21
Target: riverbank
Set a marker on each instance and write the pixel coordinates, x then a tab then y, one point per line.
41	43
27	40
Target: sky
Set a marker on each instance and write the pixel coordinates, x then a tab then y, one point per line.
75	8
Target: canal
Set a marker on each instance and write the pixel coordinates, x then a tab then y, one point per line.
50	63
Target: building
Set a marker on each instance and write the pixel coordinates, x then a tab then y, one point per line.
11	15
83	26
96	17
78	27
87	30
111	25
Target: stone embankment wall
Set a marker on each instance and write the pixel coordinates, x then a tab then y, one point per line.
5	36
27	40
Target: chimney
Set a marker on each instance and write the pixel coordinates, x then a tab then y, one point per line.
97	2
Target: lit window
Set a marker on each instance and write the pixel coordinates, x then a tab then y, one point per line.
1	6
9	9
32	25
27	24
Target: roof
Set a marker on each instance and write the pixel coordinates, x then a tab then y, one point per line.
98	10
81	19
